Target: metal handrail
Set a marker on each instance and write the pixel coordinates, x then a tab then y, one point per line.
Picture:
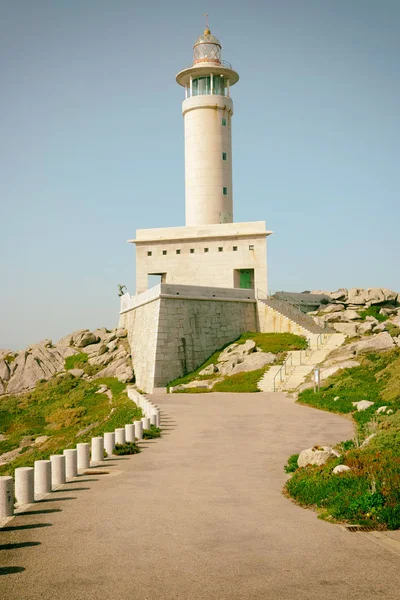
284	365
207	63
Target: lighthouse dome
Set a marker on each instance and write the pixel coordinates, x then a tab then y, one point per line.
207	48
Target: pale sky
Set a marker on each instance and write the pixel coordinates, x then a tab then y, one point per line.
91	145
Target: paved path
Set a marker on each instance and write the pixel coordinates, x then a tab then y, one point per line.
198	514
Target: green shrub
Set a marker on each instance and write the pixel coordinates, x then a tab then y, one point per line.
76	361
393	329
9	358
127	448
373	311
291	465
153	432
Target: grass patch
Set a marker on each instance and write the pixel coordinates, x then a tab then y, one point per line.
9	358
373	311
65	409
393	329
369	493
152	433
291	465
241	382
127	448
76	361
275	342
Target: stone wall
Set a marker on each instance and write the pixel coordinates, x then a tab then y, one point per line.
175	332
271	321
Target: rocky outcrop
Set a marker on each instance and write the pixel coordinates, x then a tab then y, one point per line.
316	456
19	372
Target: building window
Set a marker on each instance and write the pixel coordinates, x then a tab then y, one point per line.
220	249
251	247
178	251
205	249
235	248
224	191
149	253
164	252
191	250
223	122
224	156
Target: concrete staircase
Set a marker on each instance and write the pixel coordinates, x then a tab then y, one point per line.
294	314
299	363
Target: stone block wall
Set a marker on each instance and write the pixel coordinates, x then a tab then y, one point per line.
271	321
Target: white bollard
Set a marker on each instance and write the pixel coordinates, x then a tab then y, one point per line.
153	419
158	417
130	432
71	463
138	430
6	496
120	435
146	422
24	485
58	470
83	455
109	442
42	474
97	449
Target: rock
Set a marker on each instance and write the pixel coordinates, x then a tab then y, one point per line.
237	351
350	315
333	317
124	373
121	333
316	456
76	372
395	321
101	332
339	295
371	319
101	389
112	345
336	398
4	370
69	339
119	369
381	409
349	329
102	360
2	388
389	412
209	370
375	343
363	405
85	339
367	440
387	311
357	296
341	469
397	340
364	327
254	361
329	308
380	327
41	439
347	364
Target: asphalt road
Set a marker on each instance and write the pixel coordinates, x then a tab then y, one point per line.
199	514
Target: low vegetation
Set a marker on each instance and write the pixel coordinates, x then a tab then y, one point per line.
368	494
277	343
153	432
127	448
65	409
373	311
76	361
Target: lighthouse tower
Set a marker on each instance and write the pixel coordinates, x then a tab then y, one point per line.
207	111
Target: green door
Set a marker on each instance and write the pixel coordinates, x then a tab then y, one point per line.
245	279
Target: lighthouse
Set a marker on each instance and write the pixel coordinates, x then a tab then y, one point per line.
207	111
211	250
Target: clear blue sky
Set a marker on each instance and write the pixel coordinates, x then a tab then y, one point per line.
91	145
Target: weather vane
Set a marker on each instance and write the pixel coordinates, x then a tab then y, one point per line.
206	16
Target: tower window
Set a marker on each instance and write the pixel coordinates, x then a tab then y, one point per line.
149	253
223	122
191	250
205	249
235	248
220	249
224	156
251	247
178	251
224	191
164	252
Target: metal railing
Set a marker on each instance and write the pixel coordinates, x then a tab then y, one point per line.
283	369
209	63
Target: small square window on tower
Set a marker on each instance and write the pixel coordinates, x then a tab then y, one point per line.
205	249
224	191
224	156
251	247
223	122
191	250
149	253
220	249
164	252
178	251
235	248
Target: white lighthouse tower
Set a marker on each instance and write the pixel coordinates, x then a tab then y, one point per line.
207	111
